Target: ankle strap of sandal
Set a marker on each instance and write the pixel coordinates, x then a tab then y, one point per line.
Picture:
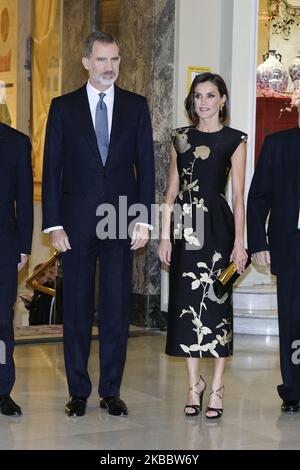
216	392
193	387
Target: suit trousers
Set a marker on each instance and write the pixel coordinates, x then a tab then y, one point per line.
79	266
288	295
8	293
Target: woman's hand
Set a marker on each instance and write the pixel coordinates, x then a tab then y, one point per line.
239	256
164	251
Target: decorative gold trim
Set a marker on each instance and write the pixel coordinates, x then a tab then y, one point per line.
37	191
282	8
284	15
33	283
289	9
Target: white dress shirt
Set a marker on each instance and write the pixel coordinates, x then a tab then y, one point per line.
93	97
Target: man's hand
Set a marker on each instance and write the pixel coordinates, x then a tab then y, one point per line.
59	240
140	237
262	258
24	259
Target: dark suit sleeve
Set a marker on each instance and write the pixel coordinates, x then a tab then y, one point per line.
145	162
259	200
24	197
52	168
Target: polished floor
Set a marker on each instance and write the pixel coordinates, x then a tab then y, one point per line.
155	390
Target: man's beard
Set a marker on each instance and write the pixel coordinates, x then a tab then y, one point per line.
107	80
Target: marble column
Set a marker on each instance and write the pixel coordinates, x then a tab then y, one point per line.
147	67
78	20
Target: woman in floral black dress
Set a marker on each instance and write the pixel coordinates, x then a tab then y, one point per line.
205	236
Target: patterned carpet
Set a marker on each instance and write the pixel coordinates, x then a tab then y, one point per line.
52	333
42	334
39	333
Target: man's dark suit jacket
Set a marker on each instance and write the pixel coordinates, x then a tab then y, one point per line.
275	190
75	180
16	195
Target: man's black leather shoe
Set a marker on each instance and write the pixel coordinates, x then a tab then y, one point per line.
8	407
76	406
114	405
290	406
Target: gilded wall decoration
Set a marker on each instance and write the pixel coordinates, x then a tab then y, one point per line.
285	16
8	61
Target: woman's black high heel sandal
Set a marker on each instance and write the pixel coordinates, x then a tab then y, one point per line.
218	411
196	408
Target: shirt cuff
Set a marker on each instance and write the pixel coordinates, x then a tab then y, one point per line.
51	229
150	227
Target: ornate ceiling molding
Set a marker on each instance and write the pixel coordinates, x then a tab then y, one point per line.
285	15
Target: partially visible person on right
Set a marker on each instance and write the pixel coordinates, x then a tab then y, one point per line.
275	193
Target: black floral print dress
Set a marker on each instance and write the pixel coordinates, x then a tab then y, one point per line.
200	324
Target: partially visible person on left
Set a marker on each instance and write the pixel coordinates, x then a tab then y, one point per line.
16	225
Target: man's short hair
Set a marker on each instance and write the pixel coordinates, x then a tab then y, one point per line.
99	36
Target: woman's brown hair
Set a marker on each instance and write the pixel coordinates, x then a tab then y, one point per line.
218	81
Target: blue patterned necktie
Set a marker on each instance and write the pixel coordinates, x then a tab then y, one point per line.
101	128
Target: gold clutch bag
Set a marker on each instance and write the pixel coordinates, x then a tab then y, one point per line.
227	278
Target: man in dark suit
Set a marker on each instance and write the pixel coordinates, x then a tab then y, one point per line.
16	224
275	192
98	148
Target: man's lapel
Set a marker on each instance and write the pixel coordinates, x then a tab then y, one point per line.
116	127
86	126
85	122
2	129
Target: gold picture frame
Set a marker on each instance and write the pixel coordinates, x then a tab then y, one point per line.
193	71
32	282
